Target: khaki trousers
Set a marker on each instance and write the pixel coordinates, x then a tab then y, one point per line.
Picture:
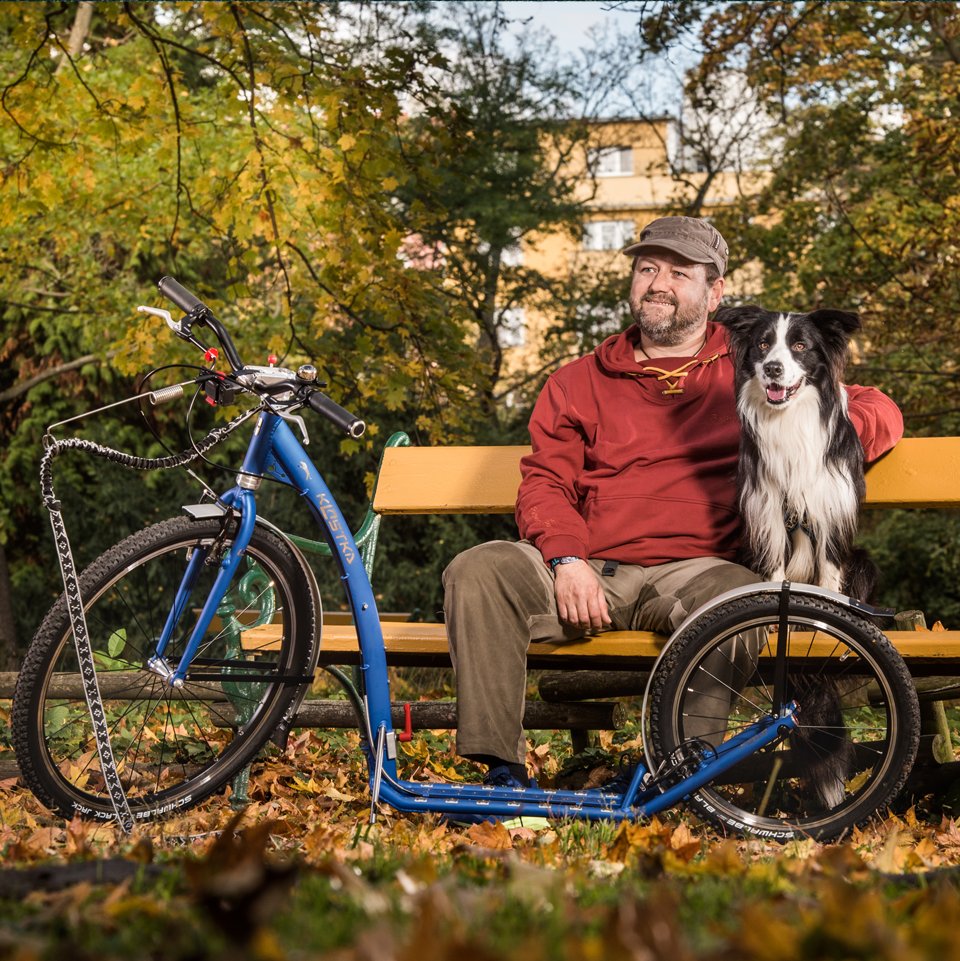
499	597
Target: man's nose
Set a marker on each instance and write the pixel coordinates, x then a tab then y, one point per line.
773	368
660	281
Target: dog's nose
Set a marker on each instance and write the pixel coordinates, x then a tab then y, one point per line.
773	368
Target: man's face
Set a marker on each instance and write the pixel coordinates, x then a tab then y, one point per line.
670	297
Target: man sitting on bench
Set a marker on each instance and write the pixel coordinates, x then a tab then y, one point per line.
627	505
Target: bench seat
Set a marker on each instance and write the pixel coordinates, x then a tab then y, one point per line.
920	473
425	645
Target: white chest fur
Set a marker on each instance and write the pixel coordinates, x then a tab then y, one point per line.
795	475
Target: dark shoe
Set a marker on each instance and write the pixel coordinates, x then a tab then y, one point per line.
621	780
500	776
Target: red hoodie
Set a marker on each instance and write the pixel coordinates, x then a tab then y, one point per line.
636	462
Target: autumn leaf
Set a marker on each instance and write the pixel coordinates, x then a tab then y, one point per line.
634	839
684	845
490	834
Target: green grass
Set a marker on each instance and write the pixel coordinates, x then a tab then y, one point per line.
400	889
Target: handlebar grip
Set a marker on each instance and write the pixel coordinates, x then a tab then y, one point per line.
337	415
179	295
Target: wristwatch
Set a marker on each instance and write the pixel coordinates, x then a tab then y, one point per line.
568	559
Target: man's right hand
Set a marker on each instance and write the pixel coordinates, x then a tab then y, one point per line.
580	598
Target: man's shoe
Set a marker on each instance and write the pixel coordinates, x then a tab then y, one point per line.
621	780
502	776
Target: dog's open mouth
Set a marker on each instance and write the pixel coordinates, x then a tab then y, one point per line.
778	394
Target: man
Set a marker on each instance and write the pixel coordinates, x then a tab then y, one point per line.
627	505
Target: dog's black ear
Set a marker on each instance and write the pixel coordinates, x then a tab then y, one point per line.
739	319
841	320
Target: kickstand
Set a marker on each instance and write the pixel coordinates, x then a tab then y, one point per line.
377	773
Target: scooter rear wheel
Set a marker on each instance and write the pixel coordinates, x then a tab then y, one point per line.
859	719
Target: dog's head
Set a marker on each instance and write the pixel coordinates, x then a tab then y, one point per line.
786	353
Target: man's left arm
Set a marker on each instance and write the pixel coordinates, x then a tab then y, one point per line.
877	419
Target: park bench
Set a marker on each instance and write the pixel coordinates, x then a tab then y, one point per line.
918	473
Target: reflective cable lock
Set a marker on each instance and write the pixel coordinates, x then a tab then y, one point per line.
71	586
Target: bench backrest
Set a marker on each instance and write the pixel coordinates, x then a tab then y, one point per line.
918	472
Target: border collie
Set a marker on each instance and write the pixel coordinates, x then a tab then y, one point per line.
800	476
800	484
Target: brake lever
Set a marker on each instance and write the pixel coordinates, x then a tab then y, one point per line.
181	329
300	422
165	316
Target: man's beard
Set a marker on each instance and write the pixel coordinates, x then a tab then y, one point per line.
669	330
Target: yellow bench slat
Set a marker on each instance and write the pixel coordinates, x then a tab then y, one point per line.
448	480
431	639
918	472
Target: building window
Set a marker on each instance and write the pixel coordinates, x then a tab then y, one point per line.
511	327
597	321
512	256
612	161
607	234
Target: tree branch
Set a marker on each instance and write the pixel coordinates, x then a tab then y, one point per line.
171	86
74	47
267	189
12	393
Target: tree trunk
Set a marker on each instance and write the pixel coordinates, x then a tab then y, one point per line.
586	685
442	715
78	33
9	651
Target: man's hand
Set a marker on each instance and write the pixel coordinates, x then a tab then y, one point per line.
580	599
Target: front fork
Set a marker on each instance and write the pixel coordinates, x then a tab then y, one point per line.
244	502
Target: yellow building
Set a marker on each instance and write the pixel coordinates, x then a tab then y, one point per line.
632	185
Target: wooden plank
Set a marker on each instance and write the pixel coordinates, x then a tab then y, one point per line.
346	617
400	638
431	639
918	472
448	480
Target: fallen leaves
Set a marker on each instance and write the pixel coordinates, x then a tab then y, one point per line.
237	884
414	888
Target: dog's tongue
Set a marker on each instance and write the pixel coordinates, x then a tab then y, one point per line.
776	394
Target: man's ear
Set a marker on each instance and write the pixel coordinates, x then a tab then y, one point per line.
715	295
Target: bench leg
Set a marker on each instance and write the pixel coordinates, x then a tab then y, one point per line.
934	723
580	740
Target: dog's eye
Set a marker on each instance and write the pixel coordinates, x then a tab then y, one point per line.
763	345
798	346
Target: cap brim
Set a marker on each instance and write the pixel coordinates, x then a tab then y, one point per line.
691	252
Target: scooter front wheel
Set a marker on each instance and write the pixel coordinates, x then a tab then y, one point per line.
173	746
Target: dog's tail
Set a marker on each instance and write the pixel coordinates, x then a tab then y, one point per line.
821	743
861	576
